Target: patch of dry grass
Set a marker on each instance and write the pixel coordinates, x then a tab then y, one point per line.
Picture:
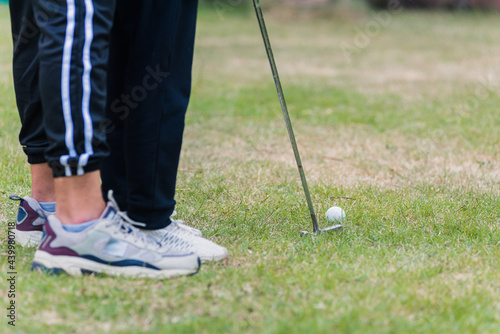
411	58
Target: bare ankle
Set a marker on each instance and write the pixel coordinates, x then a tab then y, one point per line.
42	183
79	198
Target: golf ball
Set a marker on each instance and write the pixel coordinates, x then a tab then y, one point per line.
336	214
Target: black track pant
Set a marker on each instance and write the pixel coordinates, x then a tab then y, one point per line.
59	66
149	86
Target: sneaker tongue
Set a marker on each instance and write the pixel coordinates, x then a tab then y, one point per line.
109	212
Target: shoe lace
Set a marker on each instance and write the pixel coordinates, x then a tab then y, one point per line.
175	231
128	227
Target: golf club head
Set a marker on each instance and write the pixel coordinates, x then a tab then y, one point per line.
329	229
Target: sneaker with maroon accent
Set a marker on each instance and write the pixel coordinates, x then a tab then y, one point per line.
30	220
113	246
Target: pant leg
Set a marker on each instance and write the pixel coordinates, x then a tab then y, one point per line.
25	65
151	95
113	170
73	55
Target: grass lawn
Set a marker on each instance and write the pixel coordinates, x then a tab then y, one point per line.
402	130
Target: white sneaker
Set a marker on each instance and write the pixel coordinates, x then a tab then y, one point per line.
112	246
207	250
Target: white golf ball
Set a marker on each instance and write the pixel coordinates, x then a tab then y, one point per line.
335	214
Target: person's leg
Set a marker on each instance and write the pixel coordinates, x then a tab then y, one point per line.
34	209
79	198
25	65
42	183
85	235
26	37
73	56
149	103
149	93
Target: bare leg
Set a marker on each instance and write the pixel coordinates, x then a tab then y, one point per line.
42	183
79	198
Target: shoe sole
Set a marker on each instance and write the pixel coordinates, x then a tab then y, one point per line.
28	238
76	266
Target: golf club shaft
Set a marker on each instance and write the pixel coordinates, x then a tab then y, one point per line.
267	43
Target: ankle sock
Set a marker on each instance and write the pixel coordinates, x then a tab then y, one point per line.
79	227
48	206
